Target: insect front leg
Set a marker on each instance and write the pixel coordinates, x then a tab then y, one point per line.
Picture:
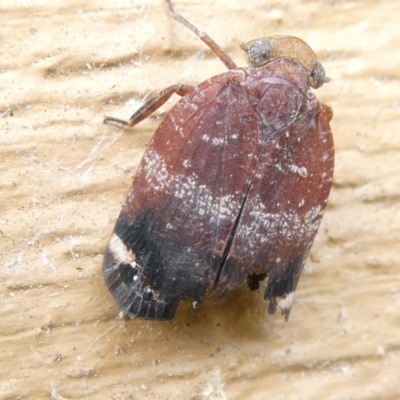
152	105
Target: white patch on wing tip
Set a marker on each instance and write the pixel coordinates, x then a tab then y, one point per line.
285	303
120	252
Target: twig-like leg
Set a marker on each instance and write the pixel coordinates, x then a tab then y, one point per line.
152	105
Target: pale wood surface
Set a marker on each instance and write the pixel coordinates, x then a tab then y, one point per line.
64	176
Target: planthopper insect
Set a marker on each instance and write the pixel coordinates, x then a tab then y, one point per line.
232	187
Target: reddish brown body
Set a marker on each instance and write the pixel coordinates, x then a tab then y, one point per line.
231	188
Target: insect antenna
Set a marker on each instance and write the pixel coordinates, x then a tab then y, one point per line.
228	62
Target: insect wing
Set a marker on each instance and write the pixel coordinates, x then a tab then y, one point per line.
286	200
169	240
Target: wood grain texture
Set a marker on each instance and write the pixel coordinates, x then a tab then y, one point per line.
65	177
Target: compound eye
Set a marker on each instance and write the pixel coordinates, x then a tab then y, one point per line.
317	76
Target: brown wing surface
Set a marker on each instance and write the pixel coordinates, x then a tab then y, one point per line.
170	238
286	200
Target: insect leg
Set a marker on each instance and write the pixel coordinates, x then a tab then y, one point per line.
205	38
152	105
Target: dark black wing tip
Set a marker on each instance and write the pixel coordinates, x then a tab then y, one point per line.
131	298
282	285
154	310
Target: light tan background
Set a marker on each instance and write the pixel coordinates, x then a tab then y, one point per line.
64	176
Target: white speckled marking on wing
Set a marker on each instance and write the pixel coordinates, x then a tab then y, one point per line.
119	250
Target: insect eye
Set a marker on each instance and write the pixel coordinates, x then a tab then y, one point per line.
317	76
259	51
